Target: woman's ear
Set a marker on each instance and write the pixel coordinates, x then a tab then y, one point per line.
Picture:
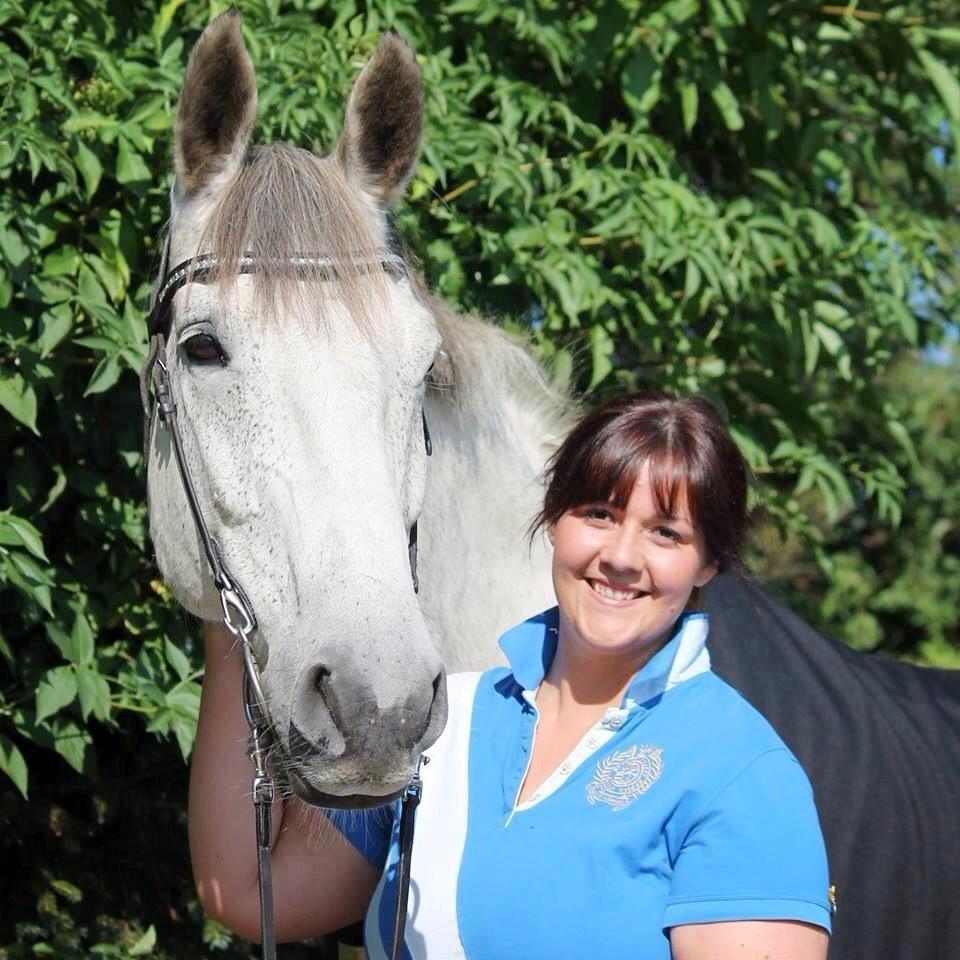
707	572
552	533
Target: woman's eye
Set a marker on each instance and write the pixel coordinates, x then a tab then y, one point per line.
597	513
667	533
204	348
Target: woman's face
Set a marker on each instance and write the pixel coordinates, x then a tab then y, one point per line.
624	576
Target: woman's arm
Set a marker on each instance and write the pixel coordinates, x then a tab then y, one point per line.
750	880
749	940
321	882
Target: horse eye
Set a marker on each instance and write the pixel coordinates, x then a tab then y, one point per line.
202	348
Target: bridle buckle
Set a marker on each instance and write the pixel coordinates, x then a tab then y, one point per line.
232	605
264	790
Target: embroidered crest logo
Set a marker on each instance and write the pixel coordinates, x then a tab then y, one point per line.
623	776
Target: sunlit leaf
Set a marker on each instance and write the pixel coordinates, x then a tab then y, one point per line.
18	398
689	99
945	81
93	692
16	531
57	689
13	764
146	944
131	167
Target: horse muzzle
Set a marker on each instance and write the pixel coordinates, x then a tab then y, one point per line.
343	747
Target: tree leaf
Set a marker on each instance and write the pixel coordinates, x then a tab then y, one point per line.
56	490
56	324
61	262
641	81
945	81
131	167
177	659
25	573
17	397
692	280
163	21
601	349
105	375
90	289
16	531
57	689
13	247
146	944
727	104
71	742
946	34
900	433
81	644
94	693
689	102
88	163
13	764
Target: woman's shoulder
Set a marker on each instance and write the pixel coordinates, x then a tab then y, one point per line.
729	730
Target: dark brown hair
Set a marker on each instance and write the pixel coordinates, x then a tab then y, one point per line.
690	454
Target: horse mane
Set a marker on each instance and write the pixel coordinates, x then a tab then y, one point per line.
490	378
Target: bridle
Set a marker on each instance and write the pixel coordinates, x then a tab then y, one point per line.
238	614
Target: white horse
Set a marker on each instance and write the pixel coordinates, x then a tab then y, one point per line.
301	404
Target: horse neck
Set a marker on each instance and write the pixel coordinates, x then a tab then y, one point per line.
493	426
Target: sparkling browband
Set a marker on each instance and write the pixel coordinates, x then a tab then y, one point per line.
197	269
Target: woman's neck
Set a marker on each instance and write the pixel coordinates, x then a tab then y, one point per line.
580	683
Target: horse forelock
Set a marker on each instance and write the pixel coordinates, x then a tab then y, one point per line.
285	202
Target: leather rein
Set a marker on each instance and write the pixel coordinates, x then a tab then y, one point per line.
238	614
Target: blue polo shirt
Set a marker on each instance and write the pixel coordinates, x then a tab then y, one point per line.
679	806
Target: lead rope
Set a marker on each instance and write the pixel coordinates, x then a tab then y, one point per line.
408	812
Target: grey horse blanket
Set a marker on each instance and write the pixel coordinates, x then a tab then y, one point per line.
880	742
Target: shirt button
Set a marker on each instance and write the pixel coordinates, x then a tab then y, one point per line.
592	742
564	767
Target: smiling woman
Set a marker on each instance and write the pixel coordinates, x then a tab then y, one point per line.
607	768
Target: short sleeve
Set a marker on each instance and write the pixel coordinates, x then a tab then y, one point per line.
755	852
370	831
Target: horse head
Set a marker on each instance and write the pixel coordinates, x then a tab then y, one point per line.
300	404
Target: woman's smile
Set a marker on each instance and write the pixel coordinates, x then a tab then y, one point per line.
618	596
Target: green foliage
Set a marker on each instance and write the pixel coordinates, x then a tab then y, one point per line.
895	590
744	199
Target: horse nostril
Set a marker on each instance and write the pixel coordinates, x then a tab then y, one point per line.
321	683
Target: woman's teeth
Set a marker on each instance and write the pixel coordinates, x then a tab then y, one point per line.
612	593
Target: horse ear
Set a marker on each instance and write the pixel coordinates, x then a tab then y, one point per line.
380	143
218	105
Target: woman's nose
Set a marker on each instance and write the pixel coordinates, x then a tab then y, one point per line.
623	550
